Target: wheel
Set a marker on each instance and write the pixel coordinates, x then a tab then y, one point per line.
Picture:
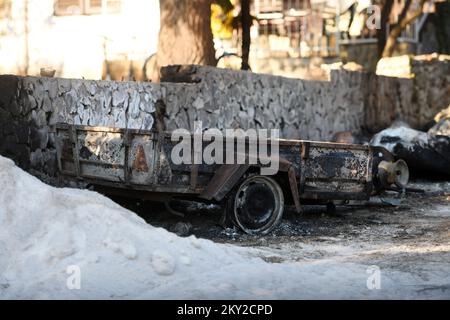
257	205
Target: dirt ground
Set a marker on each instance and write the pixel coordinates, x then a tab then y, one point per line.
412	238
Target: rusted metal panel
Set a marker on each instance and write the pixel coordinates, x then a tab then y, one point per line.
334	169
140	160
101	155
229	175
74	143
223	181
65	150
294	188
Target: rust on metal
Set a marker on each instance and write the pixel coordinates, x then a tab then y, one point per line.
75	148
223	181
140	161
294	189
305	150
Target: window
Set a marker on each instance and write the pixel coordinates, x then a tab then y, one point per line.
5	8
86	7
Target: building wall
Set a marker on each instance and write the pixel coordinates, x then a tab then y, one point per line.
74	45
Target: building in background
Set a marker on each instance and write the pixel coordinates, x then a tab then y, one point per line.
90	39
112	39
288	36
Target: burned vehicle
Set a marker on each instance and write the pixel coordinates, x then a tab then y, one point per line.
138	164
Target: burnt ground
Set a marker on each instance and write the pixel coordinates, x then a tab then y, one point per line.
366	221
413	238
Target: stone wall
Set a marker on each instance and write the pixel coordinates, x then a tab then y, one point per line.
415	100
30	107
355	101
237	99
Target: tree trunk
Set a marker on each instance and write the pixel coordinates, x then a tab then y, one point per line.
185	36
246	22
397	30
381	33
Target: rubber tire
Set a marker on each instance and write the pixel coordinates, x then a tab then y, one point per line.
276	216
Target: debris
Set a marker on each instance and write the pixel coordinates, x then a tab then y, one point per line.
444	114
350	66
182	229
349	138
48	72
118	159
422	151
231	232
442	126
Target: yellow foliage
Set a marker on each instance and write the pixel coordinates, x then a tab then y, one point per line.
221	22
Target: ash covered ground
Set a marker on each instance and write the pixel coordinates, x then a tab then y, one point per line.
413	237
417	215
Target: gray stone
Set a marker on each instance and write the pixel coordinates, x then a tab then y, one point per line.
53	90
28	104
39	118
36	159
47	105
14	108
135	101
147	107
71	101
120	119
64	85
148	122
22	131
43	137
119	98
49	161
198	103
91	88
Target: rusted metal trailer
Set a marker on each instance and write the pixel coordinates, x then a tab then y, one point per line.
138	163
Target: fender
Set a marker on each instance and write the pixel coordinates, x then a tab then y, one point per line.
228	176
224	180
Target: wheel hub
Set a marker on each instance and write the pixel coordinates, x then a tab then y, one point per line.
256	204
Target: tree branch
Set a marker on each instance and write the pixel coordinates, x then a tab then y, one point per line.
397	30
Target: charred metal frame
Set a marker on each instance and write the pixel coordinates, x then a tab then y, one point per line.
137	162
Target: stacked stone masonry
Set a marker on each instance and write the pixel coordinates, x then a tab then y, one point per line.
360	102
